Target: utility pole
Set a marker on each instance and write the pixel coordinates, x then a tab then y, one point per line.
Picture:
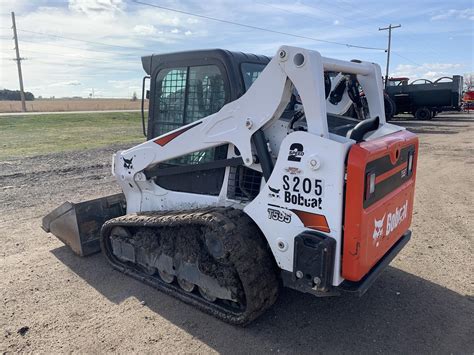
18	63
389	28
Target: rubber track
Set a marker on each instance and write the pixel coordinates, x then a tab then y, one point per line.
245	249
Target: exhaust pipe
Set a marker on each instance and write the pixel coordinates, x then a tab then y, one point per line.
78	224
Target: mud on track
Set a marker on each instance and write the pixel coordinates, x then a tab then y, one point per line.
423	303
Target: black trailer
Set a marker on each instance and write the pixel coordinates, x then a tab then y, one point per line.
424	98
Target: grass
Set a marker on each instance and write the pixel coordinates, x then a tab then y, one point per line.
45	105
30	135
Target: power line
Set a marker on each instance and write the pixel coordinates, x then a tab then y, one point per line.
360	14
401	56
83	49
52	62
40	60
88	75
73	57
330	12
313	17
85	66
255	27
262	3
64	56
78	40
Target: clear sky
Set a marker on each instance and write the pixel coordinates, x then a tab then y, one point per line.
72	47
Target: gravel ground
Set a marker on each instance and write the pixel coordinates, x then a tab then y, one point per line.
54	301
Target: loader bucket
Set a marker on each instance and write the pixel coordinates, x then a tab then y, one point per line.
78	224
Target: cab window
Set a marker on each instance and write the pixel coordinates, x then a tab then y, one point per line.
250	73
187	94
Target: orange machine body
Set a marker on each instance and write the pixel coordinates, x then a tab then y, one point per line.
379	199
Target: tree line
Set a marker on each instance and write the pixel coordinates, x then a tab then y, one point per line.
14	95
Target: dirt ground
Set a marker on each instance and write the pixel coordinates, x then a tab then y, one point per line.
54	301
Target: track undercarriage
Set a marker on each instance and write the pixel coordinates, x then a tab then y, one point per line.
214	259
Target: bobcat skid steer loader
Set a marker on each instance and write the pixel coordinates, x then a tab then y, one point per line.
251	179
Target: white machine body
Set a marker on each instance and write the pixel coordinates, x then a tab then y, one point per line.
309	167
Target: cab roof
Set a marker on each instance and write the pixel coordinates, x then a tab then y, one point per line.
229	58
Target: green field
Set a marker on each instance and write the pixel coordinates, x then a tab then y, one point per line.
32	135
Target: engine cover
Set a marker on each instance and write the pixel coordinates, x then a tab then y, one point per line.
379	199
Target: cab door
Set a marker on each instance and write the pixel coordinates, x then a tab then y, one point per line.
180	95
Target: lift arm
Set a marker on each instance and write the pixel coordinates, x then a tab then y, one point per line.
261	105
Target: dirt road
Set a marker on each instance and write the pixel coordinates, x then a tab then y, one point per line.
54	301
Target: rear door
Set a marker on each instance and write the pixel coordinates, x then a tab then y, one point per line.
379	199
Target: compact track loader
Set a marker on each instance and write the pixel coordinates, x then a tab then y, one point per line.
252	177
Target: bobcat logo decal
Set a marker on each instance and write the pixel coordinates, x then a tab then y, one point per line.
378	228
275	193
127	163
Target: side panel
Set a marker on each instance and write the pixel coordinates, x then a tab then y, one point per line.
304	193
375	220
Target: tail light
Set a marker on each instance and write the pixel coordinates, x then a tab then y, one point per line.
369	184
410	162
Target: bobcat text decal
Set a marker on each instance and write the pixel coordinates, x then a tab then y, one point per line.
383	228
304	192
394	219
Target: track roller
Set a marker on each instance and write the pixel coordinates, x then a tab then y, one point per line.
207	295
168	278
186	285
